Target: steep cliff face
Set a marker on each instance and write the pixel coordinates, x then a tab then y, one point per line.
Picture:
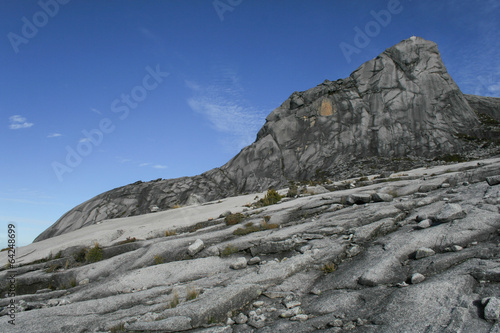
401	103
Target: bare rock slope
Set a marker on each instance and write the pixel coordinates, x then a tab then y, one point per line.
399	110
418	251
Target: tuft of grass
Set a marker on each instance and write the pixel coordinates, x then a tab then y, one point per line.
192	293
72	282
128	240
250	227
118	328
157	260
94	254
292	190
58	255
267	226
233	219
228	250
272	197
176	206
328	268
52	268
175	300
170	233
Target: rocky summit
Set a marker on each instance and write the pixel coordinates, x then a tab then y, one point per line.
398	111
367	204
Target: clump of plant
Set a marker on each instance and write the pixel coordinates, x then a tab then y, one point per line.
272	197
228	250
292	190
157	260
72	282
233	219
191	293
328	268
128	240
169	233
58	255
250	227
451	158
52	268
175	300
94	254
267	226
118	328
176	206
80	255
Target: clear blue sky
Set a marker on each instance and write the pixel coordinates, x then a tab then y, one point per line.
176	87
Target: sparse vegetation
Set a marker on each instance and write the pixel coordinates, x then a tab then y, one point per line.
228	250
175	300
292	190
94	254
72	282
52	268
157	260
451	158
191	293
118	328
272	197
170	233
58	255
128	240
328	268
176	206
80	255
250	227
233	219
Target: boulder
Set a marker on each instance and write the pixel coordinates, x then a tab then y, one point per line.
196	247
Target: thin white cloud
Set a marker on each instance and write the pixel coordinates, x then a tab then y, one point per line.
84	140
223	104
96	111
18	122
54	135
144	164
159	166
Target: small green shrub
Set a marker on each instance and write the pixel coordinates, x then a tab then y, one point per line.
52	268
191	293
292	190
328	268
72	282
94	254
246	230
228	250
272	197
267	226
58	255
157	260
233	219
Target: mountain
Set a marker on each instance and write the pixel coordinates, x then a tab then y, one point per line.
399	110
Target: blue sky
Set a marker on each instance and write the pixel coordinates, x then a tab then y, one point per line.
173	88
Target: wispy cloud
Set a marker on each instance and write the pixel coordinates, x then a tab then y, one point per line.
84	140
18	122
96	111
54	135
144	164
159	166
222	102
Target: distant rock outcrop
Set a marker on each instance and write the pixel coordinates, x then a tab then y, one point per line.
401	105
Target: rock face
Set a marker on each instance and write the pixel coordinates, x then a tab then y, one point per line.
401	104
327	264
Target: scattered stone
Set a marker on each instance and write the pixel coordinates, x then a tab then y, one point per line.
196	247
354	251
492	309
349	326
424	252
290	313
241	318
254	261
226	213
417	278
305	248
213	251
445	185
84	282
456	248
315	291
421	217
300	317
336	323
424	224
451	212
493	180
382	197
52	302
239	263
258	304
361	322
361	198
229	321
257	321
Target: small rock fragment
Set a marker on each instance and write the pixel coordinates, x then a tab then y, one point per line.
424	252
84	282
424	224
336	323
241	319
417	278
196	247
258	304
239	263
492	309
300	317
493	180
382	197
254	261
451	212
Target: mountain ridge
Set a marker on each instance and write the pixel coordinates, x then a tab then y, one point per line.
402	104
